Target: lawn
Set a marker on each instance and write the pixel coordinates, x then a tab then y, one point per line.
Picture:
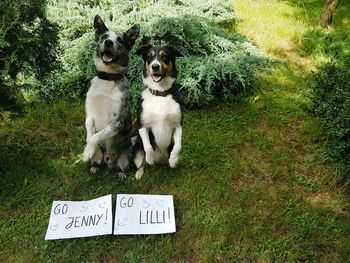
254	183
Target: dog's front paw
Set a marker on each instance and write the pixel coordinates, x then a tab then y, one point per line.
174	159
150	155
139	173
89	152
122	176
98	156
94	170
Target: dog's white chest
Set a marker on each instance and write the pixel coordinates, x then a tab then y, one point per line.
161	115
157	110
103	102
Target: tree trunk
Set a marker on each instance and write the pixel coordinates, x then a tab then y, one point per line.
327	14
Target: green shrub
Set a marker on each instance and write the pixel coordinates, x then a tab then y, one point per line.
331	98
27	45
217	63
322	42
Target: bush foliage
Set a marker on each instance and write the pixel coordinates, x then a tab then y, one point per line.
27	45
331	97
325	43
216	62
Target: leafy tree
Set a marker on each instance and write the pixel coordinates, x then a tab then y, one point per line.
27	44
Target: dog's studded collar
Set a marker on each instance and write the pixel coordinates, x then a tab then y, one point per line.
110	76
160	93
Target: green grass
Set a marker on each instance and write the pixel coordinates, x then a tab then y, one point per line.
254	183
245	194
287	29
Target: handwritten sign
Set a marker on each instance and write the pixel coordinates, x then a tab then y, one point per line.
70	219
144	214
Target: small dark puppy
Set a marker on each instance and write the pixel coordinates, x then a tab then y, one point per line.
159	114
107	105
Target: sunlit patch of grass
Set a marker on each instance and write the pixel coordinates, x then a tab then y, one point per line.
323	43
273	26
288	30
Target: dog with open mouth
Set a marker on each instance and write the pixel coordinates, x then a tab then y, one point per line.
159	113
107	105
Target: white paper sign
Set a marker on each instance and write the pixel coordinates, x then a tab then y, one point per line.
144	214
70	219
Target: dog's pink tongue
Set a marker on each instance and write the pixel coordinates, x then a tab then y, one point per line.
107	58
157	77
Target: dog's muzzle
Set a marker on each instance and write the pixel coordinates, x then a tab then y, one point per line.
156	72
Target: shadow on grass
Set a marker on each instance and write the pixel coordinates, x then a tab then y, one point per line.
24	167
31	148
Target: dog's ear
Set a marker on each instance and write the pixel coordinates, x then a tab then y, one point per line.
143	50
173	50
99	26
131	35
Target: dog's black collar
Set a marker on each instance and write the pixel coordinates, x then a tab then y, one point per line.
110	76
161	93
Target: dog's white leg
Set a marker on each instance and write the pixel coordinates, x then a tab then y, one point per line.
174	155
112	129
90	130
139	161
147	145
139	173
88	151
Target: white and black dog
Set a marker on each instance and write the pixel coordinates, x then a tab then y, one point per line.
159	113
107	105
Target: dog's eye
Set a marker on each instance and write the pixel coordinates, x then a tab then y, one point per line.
119	40
103	37
165	57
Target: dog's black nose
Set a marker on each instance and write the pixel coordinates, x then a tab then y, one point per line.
155	67
108	43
